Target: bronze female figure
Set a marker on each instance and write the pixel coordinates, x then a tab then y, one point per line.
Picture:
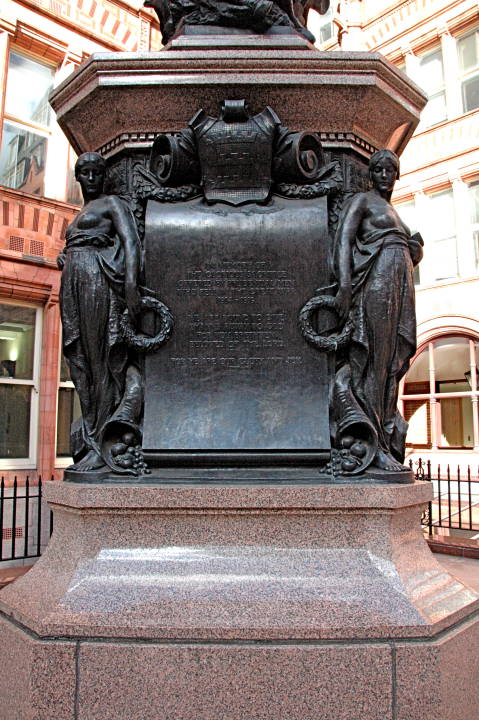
101	266
374	259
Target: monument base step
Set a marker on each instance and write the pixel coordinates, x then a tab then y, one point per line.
226	602
94	679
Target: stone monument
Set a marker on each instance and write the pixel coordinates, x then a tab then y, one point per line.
238	536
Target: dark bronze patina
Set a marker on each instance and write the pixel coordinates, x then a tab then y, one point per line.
255	15
373	256
282	361
100	301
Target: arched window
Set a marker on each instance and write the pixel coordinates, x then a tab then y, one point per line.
440	397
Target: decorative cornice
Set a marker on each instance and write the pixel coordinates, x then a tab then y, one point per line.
160	91
144	141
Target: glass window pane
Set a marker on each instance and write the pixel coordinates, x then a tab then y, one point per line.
417	378
431	74
64	369
444	261
74	195
440	240
17	341
467	48
321	25
474	198
68	412
441	215
435	110
451	362
28	86
22	159
418	414
407	213
14	421
326	25
456	422
470	93
475	240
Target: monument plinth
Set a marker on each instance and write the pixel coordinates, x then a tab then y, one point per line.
267	602
238	537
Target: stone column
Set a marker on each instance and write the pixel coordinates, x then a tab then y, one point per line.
451	73
353	31
49	386
475	399
411	61
4	44
466	258
435	406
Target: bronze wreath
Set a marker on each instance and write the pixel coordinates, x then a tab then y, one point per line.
305	192
331	343
142	342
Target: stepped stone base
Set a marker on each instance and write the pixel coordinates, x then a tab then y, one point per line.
271	602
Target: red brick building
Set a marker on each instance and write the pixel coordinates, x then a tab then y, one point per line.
41	42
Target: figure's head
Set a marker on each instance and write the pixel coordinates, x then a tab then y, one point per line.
90	173
384	171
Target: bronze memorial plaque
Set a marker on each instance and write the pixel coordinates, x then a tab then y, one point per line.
237	374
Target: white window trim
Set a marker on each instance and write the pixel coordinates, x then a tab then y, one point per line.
464	75
434	398
62	461
30	462
39	127
437	91
45	131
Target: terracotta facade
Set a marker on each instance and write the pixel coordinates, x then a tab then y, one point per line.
436	42
33	218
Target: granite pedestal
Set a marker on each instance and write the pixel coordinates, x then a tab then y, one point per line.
238	601
272	597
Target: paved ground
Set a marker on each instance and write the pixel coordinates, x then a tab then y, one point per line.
10	574
464	569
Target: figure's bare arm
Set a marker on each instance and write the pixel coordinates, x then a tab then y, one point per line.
416	248
125	228
349	229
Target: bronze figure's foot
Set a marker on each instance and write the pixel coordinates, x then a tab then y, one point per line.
91	462
385	461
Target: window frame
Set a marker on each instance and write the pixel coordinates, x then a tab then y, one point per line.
439	90
465	75
61	461
433	397
432	242
45	131
326	21
30	462
474	226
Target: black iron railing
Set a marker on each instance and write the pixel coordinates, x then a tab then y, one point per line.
456	497
26	522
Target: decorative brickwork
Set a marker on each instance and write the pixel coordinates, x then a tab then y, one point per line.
40	226
113	23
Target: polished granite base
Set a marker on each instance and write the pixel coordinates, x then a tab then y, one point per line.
267	602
